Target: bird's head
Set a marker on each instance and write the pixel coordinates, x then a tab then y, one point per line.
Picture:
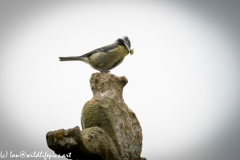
126	42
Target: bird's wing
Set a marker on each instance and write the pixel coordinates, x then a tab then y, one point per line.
90	53
109	48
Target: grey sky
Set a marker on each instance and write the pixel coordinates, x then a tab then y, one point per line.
183	77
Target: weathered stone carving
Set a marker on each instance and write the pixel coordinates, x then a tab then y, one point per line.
111	131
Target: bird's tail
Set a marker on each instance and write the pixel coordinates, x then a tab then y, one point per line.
76	58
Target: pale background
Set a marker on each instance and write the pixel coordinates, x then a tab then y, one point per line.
183	77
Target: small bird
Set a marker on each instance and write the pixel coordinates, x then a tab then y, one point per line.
105	58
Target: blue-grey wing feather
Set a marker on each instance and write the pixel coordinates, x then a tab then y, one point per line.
90	53
108	48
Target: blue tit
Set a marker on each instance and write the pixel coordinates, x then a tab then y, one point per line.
105	58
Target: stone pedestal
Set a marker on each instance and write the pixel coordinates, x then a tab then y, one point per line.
111	131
